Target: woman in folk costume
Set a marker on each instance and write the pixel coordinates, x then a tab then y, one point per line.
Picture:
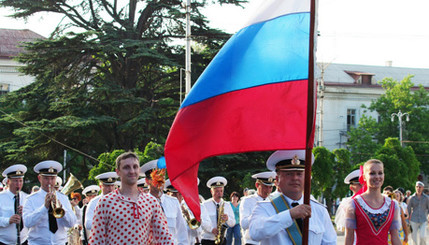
371	215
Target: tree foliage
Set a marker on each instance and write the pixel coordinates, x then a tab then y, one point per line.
236	168
322	171
401	166
399	96
106	79
342	167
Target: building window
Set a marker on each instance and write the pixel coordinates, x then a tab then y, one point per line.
351	119
4	88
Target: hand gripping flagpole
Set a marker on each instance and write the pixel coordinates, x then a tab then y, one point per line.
310	117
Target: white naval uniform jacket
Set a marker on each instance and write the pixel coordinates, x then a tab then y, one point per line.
269	227
210	207
195	234
8	232
89	214
246	207
176	222
36	219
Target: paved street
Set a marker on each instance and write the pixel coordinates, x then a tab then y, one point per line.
340	239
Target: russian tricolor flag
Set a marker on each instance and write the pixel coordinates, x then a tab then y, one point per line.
251	97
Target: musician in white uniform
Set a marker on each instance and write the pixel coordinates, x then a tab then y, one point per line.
4	182
107	184
264	186
194	235
44	228
279	220
59	183
90	192
10	218
142	186
170	205
212	205
352	179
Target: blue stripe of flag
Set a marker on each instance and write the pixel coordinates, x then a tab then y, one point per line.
263	53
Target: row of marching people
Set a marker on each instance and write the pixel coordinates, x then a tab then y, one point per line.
137	215
132	215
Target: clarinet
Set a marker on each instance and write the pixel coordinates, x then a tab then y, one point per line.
18	228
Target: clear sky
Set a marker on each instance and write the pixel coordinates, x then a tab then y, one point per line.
363	32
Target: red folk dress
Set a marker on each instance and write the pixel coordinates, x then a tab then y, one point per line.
372	225
119	220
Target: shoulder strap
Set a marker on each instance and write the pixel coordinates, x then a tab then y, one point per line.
280	204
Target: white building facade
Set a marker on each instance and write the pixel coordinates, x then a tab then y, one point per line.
343	89
10	40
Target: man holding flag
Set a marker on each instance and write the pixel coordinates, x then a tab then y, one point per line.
279	221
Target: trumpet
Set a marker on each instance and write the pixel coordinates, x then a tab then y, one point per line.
193	223
57	210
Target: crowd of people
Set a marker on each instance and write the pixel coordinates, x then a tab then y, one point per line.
127	209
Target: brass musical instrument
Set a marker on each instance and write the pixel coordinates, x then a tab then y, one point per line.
57	210
73	236
71	185
221	227
193	223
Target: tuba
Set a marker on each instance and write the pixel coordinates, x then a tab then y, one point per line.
71	185
193	223
221	227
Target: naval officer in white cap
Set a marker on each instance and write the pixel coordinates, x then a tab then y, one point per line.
170	205
10	218
107	184
352	179
90	192
211	229
279	221
264	186
142	186
4	182
44	228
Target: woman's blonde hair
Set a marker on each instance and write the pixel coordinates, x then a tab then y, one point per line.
372	161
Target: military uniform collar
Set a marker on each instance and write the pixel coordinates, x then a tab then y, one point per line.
290	201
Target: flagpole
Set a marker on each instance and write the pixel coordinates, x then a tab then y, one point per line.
310	117
188	48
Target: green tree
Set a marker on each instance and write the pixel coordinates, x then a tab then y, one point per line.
322	171
401	166
105	80
371	133
361	142
342	167
236	168
107	160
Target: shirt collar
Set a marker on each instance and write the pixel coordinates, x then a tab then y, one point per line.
290	201
221	200
9	193
258	197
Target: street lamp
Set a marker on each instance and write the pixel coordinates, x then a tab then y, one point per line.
400	115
